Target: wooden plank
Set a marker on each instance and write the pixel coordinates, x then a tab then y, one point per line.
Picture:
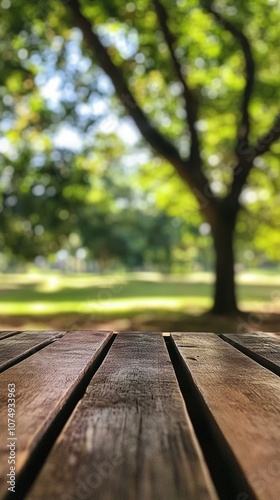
15	348
44	383
130	436
8	333
244	400
262	348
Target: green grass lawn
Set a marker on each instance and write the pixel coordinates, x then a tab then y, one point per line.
133	300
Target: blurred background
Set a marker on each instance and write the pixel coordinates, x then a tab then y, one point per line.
98	230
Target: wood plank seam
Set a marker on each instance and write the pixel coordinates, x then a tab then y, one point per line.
232	484
38	455
261	360
4	335
8	364
243	399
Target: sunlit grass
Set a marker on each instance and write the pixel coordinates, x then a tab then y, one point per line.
125	294
107	307
133	301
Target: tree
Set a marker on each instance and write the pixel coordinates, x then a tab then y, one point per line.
220	211
186	76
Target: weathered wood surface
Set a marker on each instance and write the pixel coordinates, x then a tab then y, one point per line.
15	348
8	333
44	382
262	348
244	399
130	436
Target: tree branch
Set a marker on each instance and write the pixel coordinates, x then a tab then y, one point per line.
265	142
156	140
244	125
247	155
194	177
190	101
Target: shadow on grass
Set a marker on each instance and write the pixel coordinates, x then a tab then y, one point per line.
242	322
129	289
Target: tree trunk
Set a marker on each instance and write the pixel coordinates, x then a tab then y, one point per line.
223	232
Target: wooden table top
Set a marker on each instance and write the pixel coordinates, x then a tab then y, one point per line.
139	415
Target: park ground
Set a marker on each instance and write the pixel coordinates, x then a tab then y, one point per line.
135	301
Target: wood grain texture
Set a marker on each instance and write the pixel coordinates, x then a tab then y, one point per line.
130	436
262	348
8	333
44	383
15	348
244	400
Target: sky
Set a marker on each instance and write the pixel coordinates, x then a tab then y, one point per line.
54	88
69	137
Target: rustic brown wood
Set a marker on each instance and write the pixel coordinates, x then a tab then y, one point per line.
244	400
262	348
17	347
44	382
9	333
130	436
